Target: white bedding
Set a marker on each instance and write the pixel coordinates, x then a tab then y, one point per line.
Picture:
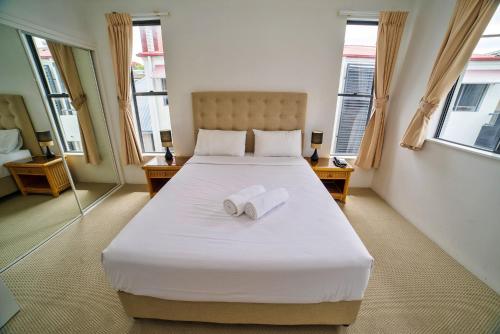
183	246
12	156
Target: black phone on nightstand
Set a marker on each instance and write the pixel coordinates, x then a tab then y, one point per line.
341	163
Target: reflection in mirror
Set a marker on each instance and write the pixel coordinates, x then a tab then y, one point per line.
69	82
35	195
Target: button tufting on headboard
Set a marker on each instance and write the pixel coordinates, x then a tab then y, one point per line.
13	115
249	110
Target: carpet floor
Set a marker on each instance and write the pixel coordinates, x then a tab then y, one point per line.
415	287
25	221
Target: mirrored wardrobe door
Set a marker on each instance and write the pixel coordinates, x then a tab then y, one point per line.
36	199
69	81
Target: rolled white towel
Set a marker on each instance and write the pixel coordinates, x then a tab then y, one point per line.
235	204
260	205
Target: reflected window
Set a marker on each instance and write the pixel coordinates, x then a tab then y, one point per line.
471	112
356	86
149	85
63	112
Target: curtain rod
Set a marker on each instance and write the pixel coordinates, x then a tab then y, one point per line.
359	14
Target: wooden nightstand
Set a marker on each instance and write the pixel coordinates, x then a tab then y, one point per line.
335	179
159	171
40	175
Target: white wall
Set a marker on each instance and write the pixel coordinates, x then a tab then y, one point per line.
451	195
278	45
61	19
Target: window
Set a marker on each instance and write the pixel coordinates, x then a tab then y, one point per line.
469	97
164	88
64	114
149	85
356	86
471	112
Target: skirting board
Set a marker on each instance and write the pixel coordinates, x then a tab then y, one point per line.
327	313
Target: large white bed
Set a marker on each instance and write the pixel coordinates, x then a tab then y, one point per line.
182	257
184	246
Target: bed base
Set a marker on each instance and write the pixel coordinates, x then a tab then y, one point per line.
7	186
327	313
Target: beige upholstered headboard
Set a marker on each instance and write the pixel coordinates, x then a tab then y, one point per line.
13	115
249	110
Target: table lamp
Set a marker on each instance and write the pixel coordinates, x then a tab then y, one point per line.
166	141
316	141
45	140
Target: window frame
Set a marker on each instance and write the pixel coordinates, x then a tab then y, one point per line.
447	107
334	148
49	96
135	94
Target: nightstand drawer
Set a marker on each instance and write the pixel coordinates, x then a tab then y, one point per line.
332	175
28	171
167	174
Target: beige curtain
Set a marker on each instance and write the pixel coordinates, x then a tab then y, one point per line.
65	62
468	22
120	38
390	30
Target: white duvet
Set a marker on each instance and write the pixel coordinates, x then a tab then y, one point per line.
11	156
183	246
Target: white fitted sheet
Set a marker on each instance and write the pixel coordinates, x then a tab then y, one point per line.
183	246
11	156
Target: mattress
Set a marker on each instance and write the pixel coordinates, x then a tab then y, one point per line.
183	246
12	156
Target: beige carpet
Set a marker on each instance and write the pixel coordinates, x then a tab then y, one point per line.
25	221
89	192
415	287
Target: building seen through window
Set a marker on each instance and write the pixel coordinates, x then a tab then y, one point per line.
356	86
149	84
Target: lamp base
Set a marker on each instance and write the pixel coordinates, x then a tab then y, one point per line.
168	155
49	154
315	157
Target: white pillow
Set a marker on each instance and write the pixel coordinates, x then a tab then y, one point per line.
10	140
278	143
220	142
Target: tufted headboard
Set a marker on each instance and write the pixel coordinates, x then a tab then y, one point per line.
13	115
249	110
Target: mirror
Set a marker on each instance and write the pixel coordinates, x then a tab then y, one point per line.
56	158
67	75
36	199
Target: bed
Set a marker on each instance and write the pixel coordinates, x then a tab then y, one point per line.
183	258
13	115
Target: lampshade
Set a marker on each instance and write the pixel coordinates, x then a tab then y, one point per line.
44	138
166	138
316	139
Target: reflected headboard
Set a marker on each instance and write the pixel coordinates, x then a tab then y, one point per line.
13	115
249	110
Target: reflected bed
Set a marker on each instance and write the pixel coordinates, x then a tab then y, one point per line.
13	115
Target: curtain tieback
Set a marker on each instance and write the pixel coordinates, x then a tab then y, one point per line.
124	104
79	101
381	101
427	108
